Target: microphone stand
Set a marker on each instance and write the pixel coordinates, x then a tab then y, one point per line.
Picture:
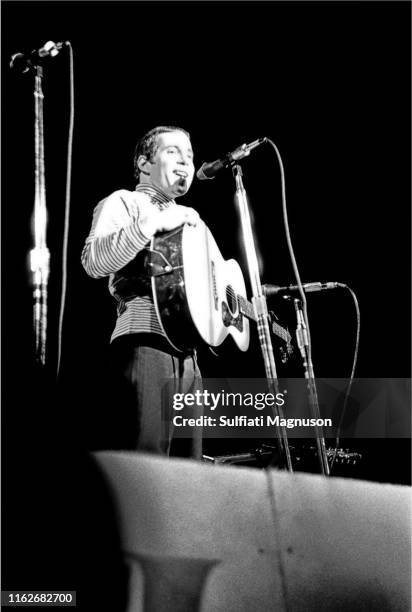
261	312
303	344
39	255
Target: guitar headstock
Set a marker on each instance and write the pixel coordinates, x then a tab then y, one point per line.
285	352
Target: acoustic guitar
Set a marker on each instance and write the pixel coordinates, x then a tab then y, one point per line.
198	295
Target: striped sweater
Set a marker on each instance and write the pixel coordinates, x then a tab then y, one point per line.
115	239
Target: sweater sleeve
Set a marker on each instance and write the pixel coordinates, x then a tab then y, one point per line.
116	236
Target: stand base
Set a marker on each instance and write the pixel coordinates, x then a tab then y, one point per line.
304	459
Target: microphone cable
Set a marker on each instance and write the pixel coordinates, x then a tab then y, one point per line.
290	246
66	210
294	264
352	375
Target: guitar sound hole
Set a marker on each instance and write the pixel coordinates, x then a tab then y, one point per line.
231	299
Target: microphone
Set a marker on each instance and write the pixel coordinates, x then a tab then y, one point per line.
209	170
270	290
25	61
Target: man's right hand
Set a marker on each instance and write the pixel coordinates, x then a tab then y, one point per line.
175	216
168	219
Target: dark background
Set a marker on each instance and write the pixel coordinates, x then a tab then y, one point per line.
328	82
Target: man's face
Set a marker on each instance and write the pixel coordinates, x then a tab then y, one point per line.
172	169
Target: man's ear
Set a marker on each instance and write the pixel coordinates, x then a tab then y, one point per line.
142	164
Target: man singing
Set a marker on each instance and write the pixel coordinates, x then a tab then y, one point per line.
123	225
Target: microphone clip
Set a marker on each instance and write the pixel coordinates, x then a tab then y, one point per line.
23	62
244	150
209	170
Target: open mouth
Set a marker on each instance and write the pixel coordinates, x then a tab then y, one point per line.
181	173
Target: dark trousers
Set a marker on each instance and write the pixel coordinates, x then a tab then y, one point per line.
148	373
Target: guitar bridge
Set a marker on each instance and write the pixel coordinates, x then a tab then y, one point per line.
228	318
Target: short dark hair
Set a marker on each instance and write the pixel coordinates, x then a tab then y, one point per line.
148	144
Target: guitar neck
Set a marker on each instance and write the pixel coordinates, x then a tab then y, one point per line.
246	308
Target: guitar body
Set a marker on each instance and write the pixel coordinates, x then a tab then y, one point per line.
196	291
